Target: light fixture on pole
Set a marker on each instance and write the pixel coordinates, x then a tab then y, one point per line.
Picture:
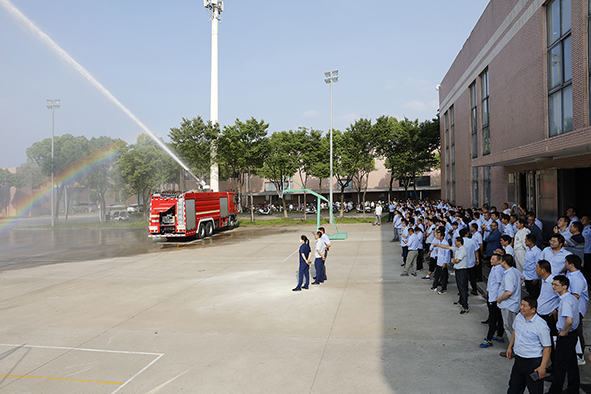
215	8
331	77
52	104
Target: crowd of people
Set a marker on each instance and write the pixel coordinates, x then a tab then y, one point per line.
543	322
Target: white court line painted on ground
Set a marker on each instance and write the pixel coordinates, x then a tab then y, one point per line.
159	355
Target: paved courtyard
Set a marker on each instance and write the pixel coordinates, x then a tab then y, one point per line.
219	316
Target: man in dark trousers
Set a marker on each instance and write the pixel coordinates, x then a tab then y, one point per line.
567	321
530	346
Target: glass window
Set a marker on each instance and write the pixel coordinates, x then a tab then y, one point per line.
475	187
474	118
554	114
485	113
565	12
567	59
486	183
555	67
560	96
567	109
553	21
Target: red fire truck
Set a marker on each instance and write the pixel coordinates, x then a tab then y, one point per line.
187	214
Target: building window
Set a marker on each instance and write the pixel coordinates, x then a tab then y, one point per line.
560	92
453	153
475	187
485	113
447	162
270	186
486	185
474	119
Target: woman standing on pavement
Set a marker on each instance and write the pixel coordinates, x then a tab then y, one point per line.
304	257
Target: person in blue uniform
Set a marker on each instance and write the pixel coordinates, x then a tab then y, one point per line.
304	257
319	257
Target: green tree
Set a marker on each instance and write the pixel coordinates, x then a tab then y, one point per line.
144	166
242	149
317	159
344	162
69	152
281	161
364	139
101	177
410	149
193	141
7	180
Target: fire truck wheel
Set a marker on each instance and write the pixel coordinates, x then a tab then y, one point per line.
201	231
208	229
233	221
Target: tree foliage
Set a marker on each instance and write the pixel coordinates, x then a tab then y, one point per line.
193	141
282	160
409	147
144	166
242	149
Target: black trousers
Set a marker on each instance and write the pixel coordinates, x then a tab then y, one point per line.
533	290
462	283
495	321
420	260
432	264
404	253
390	216
551	322
566	363
442	275
587	267
520	376
472	277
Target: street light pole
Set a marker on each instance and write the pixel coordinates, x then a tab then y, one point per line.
331	77
52	104
215	8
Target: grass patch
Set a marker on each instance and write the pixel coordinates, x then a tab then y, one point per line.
299	222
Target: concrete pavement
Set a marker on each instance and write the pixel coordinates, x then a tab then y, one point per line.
220	317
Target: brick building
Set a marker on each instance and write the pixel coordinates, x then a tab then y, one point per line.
515	109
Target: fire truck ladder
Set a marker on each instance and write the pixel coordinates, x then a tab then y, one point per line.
336	234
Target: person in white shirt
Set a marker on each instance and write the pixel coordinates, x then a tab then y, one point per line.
508	229
506	247
579	288
378	213
571	213
530	261
413	252
519	243
509	296
562	228
327	245
506	209
555	254
460	261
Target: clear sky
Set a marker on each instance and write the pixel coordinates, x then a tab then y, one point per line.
155	58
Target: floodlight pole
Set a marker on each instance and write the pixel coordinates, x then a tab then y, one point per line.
215	8
52	104
332	76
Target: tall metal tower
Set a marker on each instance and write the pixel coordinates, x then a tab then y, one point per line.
215	8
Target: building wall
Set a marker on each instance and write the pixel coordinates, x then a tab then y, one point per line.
509	42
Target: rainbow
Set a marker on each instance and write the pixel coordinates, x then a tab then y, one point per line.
71	174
